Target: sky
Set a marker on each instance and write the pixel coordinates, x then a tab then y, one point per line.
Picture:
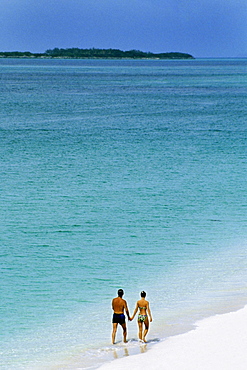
203	28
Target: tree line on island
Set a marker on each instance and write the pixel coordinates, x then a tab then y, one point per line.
76	53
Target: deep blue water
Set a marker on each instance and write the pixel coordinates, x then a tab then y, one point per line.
126	174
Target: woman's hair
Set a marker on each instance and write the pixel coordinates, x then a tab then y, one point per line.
143	294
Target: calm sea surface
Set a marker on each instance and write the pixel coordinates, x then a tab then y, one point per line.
117	174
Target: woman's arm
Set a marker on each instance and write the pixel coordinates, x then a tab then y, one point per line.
149	312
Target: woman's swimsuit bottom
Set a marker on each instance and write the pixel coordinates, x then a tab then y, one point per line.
142	318
118	318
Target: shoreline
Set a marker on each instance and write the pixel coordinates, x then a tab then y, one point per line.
215	342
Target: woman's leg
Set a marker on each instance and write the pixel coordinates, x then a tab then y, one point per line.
140	329
146	323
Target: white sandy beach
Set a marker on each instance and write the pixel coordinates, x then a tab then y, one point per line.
217	343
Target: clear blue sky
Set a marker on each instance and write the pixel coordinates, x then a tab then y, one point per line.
203	28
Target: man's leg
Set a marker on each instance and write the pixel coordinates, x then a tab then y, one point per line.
124	332
114	330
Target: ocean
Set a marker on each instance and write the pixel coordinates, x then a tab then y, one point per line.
118	174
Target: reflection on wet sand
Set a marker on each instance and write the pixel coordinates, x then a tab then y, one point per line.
124	351
117	355
143	348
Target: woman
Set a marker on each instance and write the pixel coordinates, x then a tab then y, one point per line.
143	306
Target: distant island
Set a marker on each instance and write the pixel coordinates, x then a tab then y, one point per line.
76	53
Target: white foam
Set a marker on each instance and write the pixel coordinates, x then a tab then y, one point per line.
218	342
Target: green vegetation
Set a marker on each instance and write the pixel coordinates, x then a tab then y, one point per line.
77	53
19	54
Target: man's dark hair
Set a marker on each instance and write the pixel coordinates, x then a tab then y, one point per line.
120	292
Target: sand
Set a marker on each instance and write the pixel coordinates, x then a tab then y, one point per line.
216	343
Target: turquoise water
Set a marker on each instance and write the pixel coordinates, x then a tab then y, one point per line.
126	174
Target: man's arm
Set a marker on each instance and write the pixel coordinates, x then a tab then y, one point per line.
127	310
136	309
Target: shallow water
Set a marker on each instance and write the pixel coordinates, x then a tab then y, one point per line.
126	174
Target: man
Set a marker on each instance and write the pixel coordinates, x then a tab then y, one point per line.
119	305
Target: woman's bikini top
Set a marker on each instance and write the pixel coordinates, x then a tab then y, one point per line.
142	308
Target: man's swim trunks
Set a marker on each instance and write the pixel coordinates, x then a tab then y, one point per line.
118	318
142	318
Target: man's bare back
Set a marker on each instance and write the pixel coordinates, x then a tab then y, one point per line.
119	305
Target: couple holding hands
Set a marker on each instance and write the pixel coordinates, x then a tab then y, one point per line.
119	306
